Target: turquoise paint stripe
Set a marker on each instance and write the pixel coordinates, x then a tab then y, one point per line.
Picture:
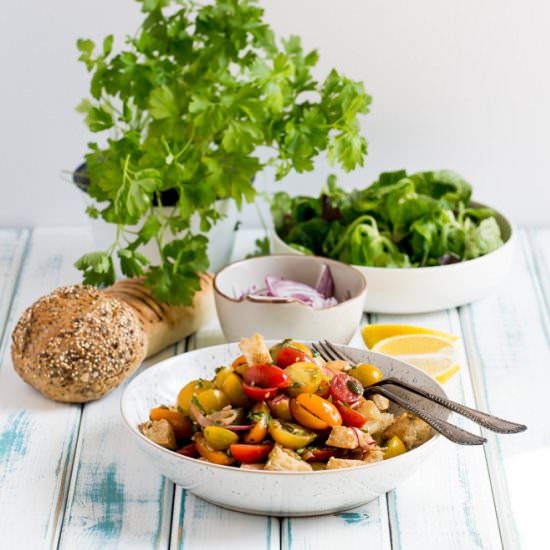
268	533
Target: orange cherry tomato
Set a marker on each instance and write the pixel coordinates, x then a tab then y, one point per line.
182	426
217	457
260	415
249	453
321	408
305	418
240	365
350	417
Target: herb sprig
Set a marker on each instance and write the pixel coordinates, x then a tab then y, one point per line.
186	104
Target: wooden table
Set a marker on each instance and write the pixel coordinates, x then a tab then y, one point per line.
71	478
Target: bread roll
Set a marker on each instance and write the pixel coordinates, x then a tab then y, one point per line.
78	343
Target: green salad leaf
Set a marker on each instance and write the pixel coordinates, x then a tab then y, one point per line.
401	220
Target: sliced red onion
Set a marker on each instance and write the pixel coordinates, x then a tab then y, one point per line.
278	398
201	419
234	428
358	432
325	283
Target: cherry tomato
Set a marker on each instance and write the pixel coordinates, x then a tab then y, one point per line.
394	447
189	450
324	389
233	389
321	408
304	377
260	416
240	365
306	418
280	407
289	355
219	438
345	388
249	453
206	451
318	455
350	417
212	400
183	428
221	374
259	394
267	376
290	435
367	374
192	388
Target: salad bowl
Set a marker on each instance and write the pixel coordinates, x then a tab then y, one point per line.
270	492
424	289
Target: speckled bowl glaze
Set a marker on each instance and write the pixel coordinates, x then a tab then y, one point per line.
260	492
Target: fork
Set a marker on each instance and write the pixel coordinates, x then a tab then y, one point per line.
329	352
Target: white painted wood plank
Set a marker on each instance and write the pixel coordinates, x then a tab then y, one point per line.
116	500
198	525
508	338
37	436
12	248
448	503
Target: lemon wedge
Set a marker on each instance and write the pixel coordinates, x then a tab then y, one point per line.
372	334
435	355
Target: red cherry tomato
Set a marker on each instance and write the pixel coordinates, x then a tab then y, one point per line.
350	417
345	388
249	453
259	394
288	356
318	455
189	450
267	376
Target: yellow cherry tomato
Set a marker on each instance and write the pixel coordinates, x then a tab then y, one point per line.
321	408
212	400
190	389
290	435
394	447
302	347
280	407
219	438
304	378
261	417
367	374
206	451
221	374
233	389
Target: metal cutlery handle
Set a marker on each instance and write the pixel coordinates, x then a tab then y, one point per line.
451	432
486	420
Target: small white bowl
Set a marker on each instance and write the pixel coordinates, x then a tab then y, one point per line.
279	319
424	289
261	492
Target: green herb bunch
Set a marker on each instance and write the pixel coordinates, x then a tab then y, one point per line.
401	220
186	105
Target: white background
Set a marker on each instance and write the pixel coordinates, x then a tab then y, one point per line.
461	84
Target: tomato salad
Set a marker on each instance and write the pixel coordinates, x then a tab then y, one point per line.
284	408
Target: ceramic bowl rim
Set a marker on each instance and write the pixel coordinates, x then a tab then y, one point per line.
436	438
350	268
475	261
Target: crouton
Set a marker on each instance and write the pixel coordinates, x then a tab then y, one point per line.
160	432
337	463
383	403
254	466
255	350
282	459
374	454
343	438
410	429
337	366
377	421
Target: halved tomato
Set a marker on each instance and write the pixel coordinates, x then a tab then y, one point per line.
249	453
267	376
259	394
345	388
350	417
318	454
289	355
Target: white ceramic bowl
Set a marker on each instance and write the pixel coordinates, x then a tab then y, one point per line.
261	492
278	320
423	289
